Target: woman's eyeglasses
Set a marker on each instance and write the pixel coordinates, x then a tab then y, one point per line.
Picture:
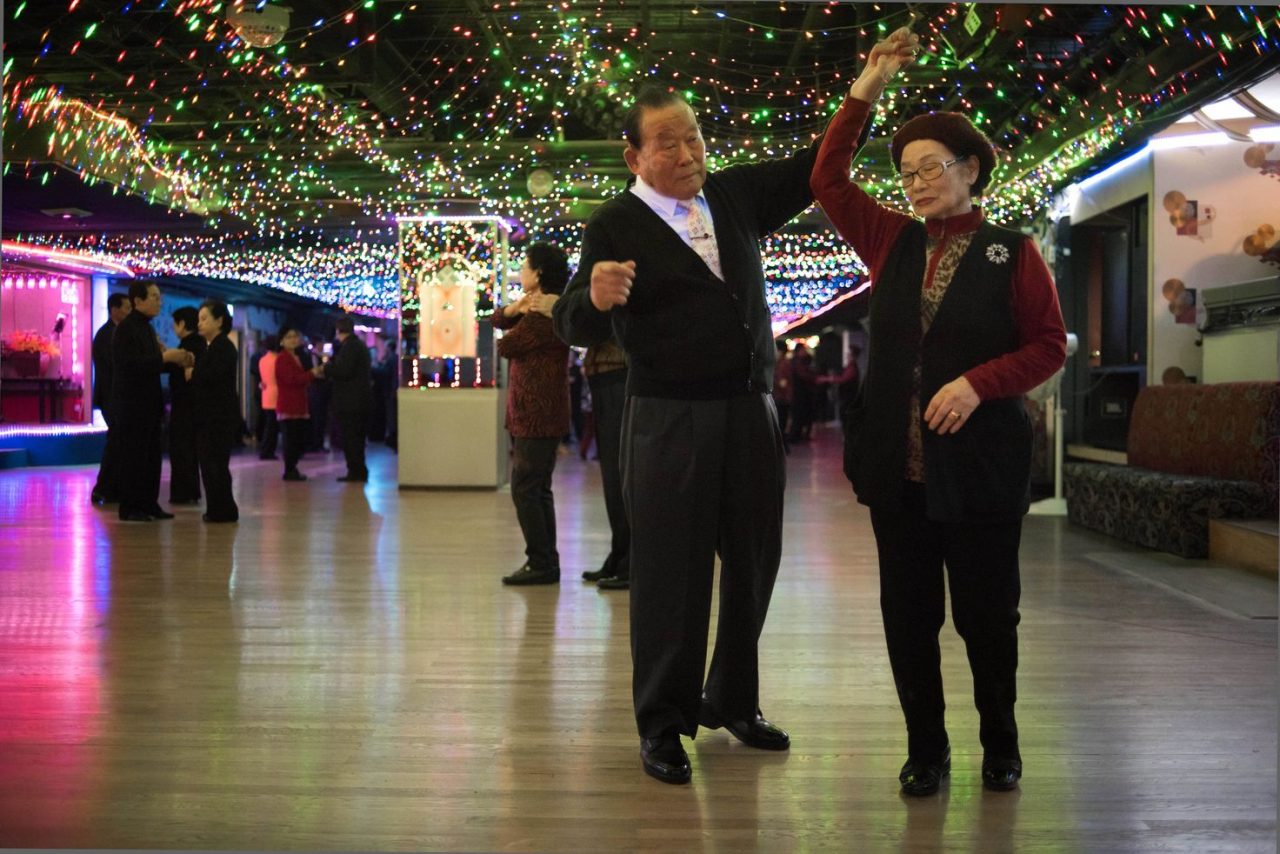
928	172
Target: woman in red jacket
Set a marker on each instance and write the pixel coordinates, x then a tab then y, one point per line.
291	401
964	321
537	406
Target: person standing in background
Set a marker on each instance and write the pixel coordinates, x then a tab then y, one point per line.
270	392
107	488
804	393
139	359
382	370
846	382
537	406
391	377
258	379
184	470
217	410
606	368
291	403
319	396
577	418
350	369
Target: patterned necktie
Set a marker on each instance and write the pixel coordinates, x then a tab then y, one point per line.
702	237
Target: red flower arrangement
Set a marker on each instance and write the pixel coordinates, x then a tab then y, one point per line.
29	341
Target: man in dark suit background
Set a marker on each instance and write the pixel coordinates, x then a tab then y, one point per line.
107	488
672	267
184	468
351	372
605	366
139	359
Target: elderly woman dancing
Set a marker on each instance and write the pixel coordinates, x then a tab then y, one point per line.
964	320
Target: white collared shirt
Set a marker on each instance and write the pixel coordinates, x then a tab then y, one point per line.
671	210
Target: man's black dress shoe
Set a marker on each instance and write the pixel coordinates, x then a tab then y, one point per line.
615	582
294	475
756	732
160	514
919	778
215	520
664	758
346	478
528	575
137	517
595	575
1001	775
101	499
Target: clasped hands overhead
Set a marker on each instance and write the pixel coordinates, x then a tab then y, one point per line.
891	55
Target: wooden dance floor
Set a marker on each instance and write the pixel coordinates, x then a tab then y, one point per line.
343	670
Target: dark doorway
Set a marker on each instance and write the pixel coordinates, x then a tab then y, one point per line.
1109	268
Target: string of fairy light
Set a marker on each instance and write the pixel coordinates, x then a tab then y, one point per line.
359	272
482	99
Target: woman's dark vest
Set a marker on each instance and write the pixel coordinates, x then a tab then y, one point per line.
982	471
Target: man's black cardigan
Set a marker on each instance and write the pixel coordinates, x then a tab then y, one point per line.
687	334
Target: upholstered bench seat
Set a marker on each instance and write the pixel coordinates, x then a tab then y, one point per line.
1162	511
1196	452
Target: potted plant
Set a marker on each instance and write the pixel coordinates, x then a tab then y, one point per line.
25	352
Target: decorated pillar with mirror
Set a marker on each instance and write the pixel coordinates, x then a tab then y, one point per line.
451	403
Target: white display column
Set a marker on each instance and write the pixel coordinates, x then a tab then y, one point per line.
452	438
451	406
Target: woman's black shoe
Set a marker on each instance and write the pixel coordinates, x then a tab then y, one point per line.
1001	775
294	475
919	778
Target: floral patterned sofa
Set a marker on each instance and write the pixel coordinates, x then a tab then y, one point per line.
1196	452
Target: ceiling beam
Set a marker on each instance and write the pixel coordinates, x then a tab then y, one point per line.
496	39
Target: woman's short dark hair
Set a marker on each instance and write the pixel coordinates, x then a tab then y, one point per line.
218	311
956	132
552	265
650	97
188	316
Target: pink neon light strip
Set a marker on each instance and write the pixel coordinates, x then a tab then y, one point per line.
75	260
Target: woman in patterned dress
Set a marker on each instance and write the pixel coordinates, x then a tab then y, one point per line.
537	406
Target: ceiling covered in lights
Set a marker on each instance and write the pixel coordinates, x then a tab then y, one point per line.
348	111
217	128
